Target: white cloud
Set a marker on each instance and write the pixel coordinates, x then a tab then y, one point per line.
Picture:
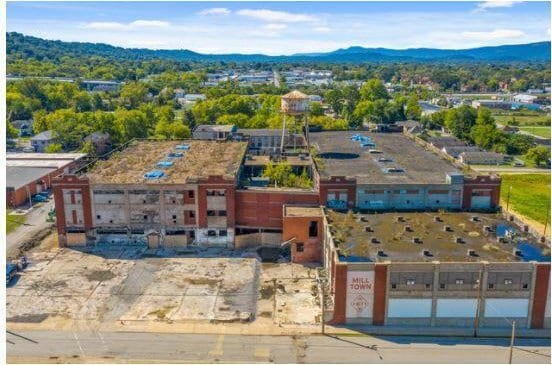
493	35
215	11
135	25
276	16
322	29
275	26
497	4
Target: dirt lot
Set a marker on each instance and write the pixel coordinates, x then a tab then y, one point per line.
111	285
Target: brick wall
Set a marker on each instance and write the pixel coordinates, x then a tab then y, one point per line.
491	183
541	295
298	228
263	208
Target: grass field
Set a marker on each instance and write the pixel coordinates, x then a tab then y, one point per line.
529	195
540	131
525	119
13	221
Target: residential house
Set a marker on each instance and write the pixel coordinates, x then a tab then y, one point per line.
42	140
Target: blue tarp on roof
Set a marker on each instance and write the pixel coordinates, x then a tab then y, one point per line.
154	174
165	164
183	147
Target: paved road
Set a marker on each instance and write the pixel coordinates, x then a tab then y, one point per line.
34	224
157	347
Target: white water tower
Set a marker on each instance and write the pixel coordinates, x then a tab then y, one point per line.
295	104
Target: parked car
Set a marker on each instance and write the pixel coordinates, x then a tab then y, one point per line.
29	149
45	194
40	198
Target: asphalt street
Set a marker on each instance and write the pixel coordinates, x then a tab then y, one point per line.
58	346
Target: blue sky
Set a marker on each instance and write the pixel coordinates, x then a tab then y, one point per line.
285	27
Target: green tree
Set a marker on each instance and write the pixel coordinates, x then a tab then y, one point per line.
316	109
133	94
54	148
460	121
538	154
11	131
373	90
413	109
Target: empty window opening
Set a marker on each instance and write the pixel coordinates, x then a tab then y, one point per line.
313	229
211	233
223	233
190	194
222	213
299	247
211	213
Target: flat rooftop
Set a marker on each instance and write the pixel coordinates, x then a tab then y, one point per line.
19	176
44	156
298	211
342	156
396	240
202	159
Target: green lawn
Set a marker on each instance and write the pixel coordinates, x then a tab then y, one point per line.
523	119
529	195
540	131
13	221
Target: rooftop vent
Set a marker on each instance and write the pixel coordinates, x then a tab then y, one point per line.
381	253
427	253
368	229
437	219
459	240
447	229
400	218
183	147
472	253
501	240
373	151
363	218
408	229
375	240
517	252
487	228
417	240
385	159
474	218
175	154
394	170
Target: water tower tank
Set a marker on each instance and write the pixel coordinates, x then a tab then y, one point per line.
294	103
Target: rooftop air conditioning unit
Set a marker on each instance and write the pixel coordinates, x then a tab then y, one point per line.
416	240
472	253
368	229
375	240
459	240
427	253
447	228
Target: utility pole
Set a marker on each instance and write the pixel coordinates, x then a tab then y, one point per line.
508	199
512	341
546	221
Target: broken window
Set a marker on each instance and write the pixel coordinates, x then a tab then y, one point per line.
192	214
211	233
145	216
299	247
223	233
313	229
491	286
174	216
211	213
222	213
190	194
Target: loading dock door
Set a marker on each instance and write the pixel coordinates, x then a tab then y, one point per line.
481	199
153	240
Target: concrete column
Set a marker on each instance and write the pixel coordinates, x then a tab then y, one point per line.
162	216
532	293
127	207
435	287
483	294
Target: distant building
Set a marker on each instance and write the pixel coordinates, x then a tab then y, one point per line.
427	108
455	151
493	104
482	158
524	98
179	93
440	142
213	132
42	140
100	141
101	85
191	98
316	98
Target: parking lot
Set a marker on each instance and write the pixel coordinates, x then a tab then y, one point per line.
109	284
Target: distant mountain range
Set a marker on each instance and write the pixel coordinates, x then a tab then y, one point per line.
28	46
